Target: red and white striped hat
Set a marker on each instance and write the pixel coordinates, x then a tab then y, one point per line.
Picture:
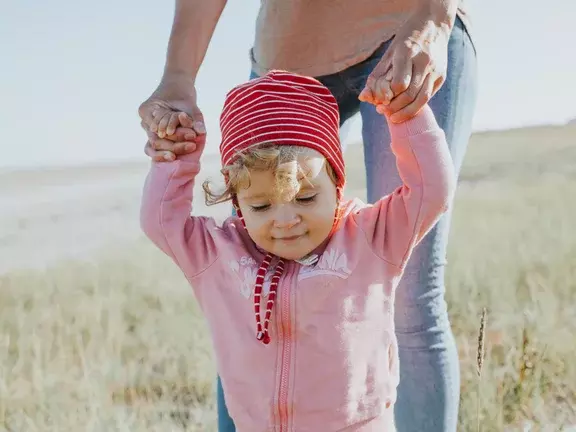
282	108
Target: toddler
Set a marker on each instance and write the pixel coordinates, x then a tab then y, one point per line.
298	288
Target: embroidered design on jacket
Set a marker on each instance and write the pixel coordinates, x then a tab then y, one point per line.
331	263
245	269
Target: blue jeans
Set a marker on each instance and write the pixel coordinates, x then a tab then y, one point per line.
429	390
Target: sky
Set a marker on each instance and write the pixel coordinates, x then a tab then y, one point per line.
73	73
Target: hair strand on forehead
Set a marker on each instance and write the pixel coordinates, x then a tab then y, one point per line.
282	160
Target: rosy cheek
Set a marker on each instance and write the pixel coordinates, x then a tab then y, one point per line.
257	227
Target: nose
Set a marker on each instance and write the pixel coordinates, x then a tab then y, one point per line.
286	217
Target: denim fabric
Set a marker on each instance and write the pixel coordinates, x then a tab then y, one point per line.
429	390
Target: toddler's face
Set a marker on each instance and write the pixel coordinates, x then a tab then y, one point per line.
294	224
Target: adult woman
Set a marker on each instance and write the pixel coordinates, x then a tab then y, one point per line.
423	48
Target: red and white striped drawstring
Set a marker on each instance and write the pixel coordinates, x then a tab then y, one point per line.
262	333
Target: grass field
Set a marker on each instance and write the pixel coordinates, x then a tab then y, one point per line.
117	343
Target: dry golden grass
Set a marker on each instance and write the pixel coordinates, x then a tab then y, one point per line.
114	345
118	344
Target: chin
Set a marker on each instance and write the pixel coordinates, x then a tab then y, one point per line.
292	253
292	257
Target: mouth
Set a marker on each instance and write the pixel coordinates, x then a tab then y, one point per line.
289	238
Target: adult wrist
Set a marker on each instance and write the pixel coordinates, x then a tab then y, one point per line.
182	80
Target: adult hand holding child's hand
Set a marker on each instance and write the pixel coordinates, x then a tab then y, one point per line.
414	66
172	104
182	141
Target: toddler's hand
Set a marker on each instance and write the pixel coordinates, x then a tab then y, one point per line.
183	141
379	92
162	134
164	121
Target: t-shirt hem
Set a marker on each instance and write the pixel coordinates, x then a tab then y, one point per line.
341	65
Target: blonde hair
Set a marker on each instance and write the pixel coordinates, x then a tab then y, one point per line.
282	160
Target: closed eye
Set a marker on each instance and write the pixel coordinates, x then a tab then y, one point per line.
306	200
260	208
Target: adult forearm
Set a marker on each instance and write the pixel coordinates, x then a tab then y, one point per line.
192	29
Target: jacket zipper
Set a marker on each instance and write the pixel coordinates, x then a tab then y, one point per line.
286	351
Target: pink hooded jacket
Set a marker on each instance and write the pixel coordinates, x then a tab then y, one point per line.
332	364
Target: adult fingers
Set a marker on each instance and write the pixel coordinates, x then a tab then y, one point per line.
421	99
176	147
401	71
156	155
145	111
419	73
179	134
438	83
168	148
368	94
383	92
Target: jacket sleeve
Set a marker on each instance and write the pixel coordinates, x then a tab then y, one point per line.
165	216
396	223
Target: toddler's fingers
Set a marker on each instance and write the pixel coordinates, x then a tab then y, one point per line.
162	124
389	75
383	91
173	123
366	95
157	115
